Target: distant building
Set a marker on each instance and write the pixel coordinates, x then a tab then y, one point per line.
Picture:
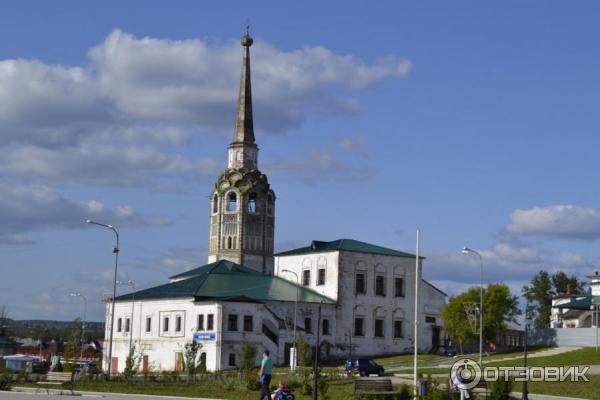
577	310
245	294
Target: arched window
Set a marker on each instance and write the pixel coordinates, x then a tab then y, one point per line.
215	204
232	202
270	204
229	242
252	203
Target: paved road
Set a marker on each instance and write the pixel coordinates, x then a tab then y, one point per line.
86	396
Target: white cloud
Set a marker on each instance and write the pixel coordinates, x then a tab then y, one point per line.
559	221
24	209
357	145
106	122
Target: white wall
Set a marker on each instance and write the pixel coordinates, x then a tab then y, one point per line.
312	262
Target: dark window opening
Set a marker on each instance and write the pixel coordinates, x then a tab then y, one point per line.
148	324
321	276
325	327
119	325
248	323
398	287
232	359
379	286
360	284
379	328
166	324
398	329
232	322
178	324
270	204
200	326
215	203
359	327
232	202
430	320
306	277
127	324
229	242
308	325
210	322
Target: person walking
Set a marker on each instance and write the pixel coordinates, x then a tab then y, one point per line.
264	374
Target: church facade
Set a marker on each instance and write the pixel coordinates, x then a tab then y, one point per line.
248	294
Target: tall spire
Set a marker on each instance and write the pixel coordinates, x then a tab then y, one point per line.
244	127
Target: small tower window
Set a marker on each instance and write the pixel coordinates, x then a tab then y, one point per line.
270	204
252	203
215	205
229	242
231	202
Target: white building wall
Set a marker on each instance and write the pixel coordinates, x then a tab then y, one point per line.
312	263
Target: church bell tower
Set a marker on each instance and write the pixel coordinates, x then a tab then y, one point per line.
242	204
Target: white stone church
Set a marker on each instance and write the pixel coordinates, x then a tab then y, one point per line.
246	294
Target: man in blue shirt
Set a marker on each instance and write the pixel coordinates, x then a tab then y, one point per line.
265	375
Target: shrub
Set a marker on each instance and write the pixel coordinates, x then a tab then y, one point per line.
304	352
501	390
5	382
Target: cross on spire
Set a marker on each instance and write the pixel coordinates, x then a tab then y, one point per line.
244	127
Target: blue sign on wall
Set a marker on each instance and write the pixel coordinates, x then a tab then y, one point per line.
205	336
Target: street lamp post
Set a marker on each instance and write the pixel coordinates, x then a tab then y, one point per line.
466	250
295	318
525	394
112	312
131	284
595	308
77	294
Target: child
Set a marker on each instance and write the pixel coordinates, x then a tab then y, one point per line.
282	393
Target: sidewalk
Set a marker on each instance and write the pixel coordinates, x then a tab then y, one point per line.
19	393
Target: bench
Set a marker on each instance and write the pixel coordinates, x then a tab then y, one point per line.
481	389
57	379
373	386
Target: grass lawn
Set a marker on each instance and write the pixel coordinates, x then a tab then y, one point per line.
584	390
585	356
229	389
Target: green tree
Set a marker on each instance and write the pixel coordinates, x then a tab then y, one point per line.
498	306
190	358
73	342
543	288
304	352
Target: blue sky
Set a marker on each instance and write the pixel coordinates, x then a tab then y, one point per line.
475	122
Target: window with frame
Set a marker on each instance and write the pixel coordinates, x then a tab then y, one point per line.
321	276
232	322
308	325
127	324
231	202
398	329
379	328
248	323
398	287
165	324
252	203
325	326
178	324
200	324
360	283
359	328
148	324
306	277
430	320
119	325
210	322
379	285
232	359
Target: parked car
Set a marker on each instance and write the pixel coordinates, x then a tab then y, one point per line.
366	367
88	367
37	367
450	350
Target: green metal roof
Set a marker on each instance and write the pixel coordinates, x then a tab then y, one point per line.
217	267
356	246
5	340
579	304
225	280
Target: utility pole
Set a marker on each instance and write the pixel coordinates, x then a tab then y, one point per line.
316	366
